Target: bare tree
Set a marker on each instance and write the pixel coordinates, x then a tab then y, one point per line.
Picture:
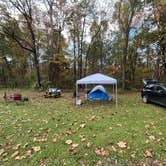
124	14
28	41
56	12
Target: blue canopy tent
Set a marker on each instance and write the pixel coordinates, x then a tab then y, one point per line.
97	78
99	93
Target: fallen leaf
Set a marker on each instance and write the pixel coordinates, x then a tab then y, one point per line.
151	138
4	154
147	126
82	125
112	148
94	135
16	147
69	142
148	153
28	154
42	163
147	141
89	144
92	117
75	145
25	145
83	139
133	154
73	151
119	125
39	139
85	154
19	157
5	159
15	154
54	139
121	151
36	148
122	144
101	151
2	151
158	140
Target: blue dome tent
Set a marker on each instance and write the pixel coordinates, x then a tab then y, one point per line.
97	78
99	93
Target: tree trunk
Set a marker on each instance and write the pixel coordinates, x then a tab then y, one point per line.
51	40
75	68
125	53
37	68
59	40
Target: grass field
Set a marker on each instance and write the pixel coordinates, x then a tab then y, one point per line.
56	132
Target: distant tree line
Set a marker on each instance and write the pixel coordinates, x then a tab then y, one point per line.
55	42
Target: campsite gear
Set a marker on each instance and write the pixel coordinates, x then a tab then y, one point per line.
14	97
78	102
53	92
98	78
99	93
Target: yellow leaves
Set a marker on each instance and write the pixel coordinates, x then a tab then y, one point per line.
101	152
36	148
148	153
69	142
122	144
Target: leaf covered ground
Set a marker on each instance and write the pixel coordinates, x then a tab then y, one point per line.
56	132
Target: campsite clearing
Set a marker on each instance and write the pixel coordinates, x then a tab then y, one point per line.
56	132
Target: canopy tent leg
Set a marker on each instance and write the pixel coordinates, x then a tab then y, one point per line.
116	96
86	95
76	92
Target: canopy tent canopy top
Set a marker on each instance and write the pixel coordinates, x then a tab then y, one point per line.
97	79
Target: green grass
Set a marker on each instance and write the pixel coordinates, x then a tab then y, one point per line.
132	122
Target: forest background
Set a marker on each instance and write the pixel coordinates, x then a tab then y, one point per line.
55	42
